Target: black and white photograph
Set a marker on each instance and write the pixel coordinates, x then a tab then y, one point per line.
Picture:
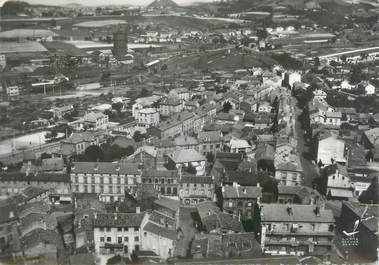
189	132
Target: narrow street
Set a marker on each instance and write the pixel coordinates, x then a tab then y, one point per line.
187	225
310	170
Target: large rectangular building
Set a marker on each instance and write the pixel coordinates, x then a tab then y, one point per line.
296	229
109	180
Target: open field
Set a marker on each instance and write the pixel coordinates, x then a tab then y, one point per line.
100	23
24	47
26	33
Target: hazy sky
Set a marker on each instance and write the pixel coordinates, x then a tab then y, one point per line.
105	2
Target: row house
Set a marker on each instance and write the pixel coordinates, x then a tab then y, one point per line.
148	117
196	189
339	185
109	180
145	102
117	233
182	123
241	200
96	121
296	229
9	236
13	183
77	143
165	182
59	112
170	106
159	231
289	173
187	158
210	142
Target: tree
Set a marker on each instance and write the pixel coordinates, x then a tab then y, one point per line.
144	93
357	74
210	157
138	137
94	153
370	196
343	58
129	150
190	169
117	106
226	107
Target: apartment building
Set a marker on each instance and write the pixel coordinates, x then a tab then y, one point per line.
296	229
109	180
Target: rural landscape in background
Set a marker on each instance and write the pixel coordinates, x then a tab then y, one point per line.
189	132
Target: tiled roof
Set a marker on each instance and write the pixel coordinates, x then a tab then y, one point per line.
118	219
187	155
81	137
196	179
93	116
52	164
160	173
41	236
185	140
297	213
161	231
372	211
211	136
32	192
171	102
8	213
44	177
105	168
168	203
213	218
241	192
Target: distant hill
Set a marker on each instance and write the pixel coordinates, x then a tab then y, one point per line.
12	8
162	4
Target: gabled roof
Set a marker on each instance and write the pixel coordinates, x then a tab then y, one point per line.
105	168
241	192
187	155
168	203
295	213
118	219
211	136
161	231
213	218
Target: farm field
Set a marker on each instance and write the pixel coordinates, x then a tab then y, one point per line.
100	23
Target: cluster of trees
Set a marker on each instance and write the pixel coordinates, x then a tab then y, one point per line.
105	153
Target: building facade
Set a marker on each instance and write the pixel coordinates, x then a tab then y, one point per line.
296	229
109	180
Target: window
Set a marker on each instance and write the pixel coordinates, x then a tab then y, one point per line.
109	239
119	229
101	229
175	191
108	229
126	239
126	229
230	204
136	247
331	228
119	240
313	227
101	239
136	239
136	229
